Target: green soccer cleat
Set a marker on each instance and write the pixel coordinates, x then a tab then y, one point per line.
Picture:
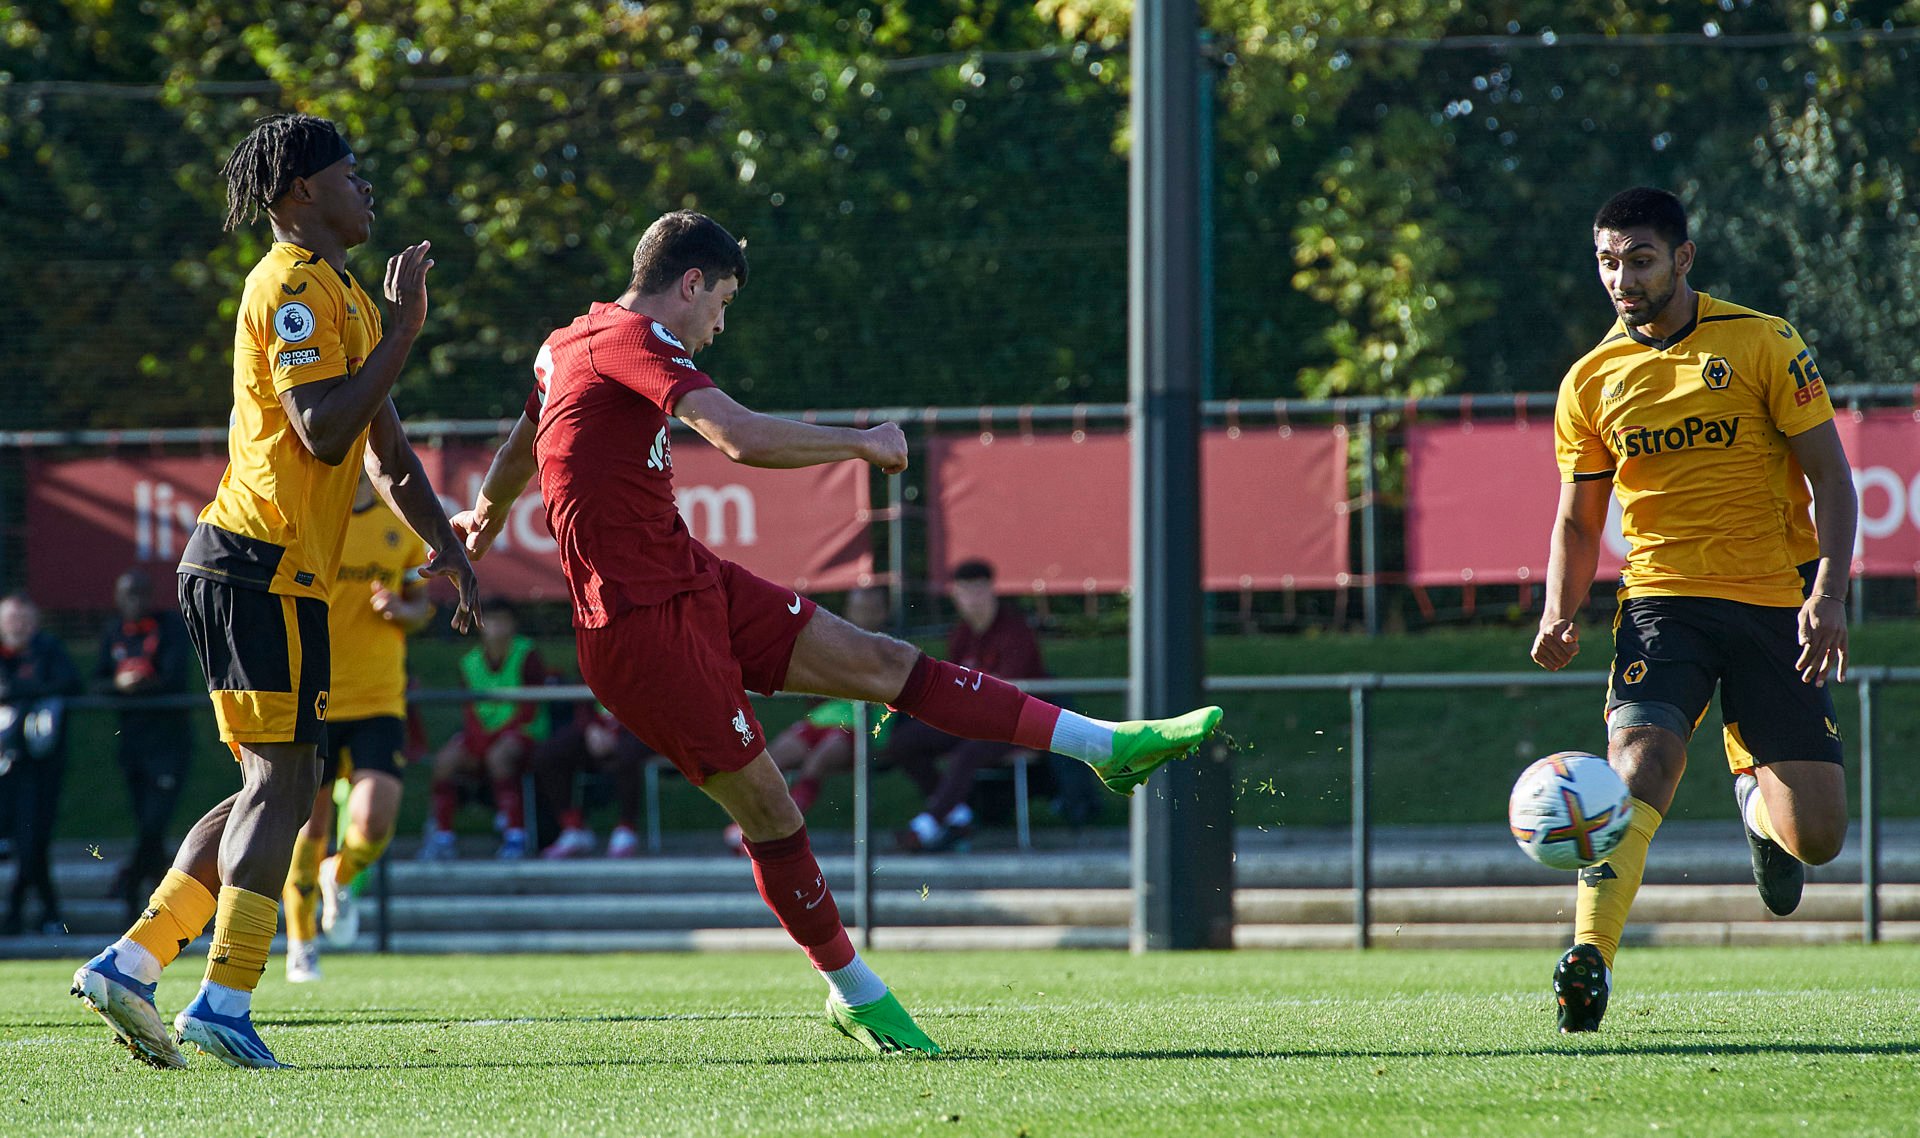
1142	746
883	1027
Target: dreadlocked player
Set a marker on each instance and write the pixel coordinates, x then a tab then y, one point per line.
311	376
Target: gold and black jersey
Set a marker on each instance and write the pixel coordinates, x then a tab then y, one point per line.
370	651
280	514
1692	431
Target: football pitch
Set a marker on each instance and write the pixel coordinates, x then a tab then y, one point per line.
1698	1041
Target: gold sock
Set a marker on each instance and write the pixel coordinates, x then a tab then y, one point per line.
357	852
1762	822
177	912
302	892
1606	891
243	930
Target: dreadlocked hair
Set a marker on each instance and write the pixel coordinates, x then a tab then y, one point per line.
277	150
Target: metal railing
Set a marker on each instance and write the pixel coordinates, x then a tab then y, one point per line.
1361	687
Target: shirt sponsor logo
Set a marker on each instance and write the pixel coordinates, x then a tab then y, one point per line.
299	356
660	330
685	363
293	322
1693	431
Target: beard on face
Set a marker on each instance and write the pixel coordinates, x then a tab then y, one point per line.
1653	303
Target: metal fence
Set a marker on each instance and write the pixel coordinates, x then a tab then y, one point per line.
1360	688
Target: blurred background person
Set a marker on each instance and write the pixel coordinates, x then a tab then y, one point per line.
497	740
377	599
36	676
144	652
820	743
991	636
593	743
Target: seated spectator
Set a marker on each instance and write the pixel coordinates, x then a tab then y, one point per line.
36	675
144	652
821	742
496	741
991	636
594	743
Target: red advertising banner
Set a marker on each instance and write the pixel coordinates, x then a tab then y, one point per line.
90	519
1481	500
1884	449
1051	511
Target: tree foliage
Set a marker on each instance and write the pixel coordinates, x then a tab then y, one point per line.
935	193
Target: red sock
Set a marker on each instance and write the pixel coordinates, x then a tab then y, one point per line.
446	800
506	796
572	819
974	705
804	792
793	887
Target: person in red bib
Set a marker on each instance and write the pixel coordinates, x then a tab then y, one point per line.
671	638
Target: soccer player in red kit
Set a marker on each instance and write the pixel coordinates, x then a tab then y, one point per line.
671	638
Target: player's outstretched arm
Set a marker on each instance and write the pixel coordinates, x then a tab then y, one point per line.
330	414
1573	556
1836	508
513	464
399	479
752	439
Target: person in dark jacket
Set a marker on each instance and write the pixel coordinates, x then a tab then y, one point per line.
144	652
36	676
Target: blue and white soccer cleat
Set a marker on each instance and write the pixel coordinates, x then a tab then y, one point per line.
230	1039
127	1006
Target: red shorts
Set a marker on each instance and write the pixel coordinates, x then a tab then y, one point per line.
677	673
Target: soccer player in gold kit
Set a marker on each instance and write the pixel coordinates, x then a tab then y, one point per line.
312	374
377	599
1712	425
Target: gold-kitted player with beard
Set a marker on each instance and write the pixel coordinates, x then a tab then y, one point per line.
1711	423
312	373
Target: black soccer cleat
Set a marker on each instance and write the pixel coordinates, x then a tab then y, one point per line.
1778	875
1580	989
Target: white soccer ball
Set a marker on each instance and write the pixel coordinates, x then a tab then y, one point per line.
1569	810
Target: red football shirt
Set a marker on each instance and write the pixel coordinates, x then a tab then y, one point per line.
1008	648
606	386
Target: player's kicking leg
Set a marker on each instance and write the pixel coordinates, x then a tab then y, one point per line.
1650	758
859	1005
833	658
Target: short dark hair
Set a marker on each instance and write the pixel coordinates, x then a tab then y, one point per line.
1657	210
973	569
684	240
277	150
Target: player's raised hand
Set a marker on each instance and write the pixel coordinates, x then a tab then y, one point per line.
453	564
476	535
886	447
1557	643
406	287
1823	641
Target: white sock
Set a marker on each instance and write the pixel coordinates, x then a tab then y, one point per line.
961	815
925	827
856	985
1746	812
1077	737
226	1001
132	958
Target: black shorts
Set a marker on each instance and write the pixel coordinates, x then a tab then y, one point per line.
1673	650
374	744
266	659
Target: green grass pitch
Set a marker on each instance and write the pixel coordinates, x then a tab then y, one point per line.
1698	1042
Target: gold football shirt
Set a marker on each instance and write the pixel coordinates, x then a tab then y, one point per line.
370	651
280	514
1693	430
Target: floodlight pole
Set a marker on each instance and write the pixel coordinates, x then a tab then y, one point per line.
1183	817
